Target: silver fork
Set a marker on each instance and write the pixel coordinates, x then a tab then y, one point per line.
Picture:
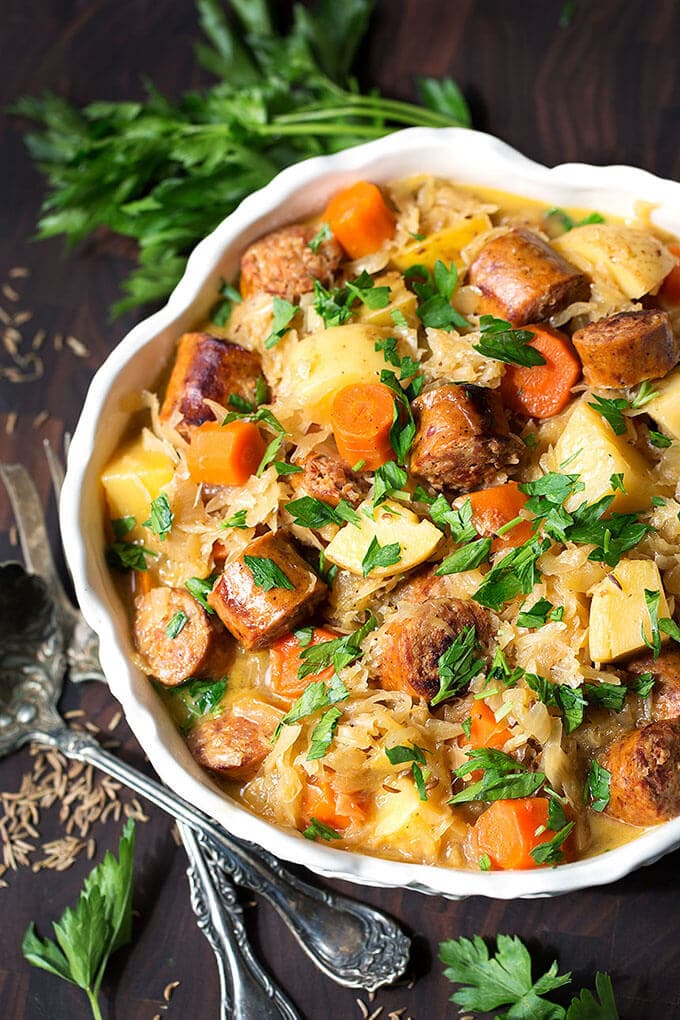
246	990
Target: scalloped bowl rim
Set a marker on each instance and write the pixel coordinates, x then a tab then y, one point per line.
467	157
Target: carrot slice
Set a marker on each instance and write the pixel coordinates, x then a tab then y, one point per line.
361	417
360	219
339	810
541	391
670	288
285	661
496	506
484	730
508	831
225	454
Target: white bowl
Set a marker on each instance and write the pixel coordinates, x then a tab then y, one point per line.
466	157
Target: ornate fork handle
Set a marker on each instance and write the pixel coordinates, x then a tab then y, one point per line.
353	944
248	993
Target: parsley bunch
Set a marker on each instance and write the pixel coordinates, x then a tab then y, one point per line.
165	172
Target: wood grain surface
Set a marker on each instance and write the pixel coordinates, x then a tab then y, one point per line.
604	89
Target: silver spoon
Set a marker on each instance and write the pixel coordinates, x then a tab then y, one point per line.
352	943
246	990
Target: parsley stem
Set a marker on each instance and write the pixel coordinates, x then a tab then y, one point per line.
510	525
94	1004
406	114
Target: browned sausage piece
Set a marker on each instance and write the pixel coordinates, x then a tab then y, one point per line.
255	616
666	690
282	263
201	647
463	438
645	774
624	349
236	742
410	648
212	368
328	479
525	278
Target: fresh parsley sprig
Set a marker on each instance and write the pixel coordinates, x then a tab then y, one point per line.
310	512
267	574
98	925
400	754
458	665
435	290
338	653
335	305
503	778
501	341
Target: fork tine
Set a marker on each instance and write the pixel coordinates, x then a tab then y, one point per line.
35	545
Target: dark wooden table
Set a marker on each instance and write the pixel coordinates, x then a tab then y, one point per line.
604	89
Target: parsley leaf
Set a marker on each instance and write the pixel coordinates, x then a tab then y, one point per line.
161	517
596	791
659	440
572	703
98	925
645	393
270	454
503	778
536	616
323	733
125	556
200	588
641	684
339	652
267	574
316	695
457	519
551	851
122	526
505	980
364	289
403	430
199	698
516	573
652	599
237	520
239	403
611	696
321	830
565	219
334	306
310	512
500	341
324	233
435	291
416	755
389	481
611	409
176	624
221	312
380	555
284	313
458	665
468	557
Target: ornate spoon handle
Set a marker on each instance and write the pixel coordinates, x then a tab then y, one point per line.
353	944
248	993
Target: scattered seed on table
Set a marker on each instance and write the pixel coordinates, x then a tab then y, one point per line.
363	1008
58	341
4	317
10	293
169	989
21	317
11	422
17	272
115	719
40	419
38	339
74	713
77	347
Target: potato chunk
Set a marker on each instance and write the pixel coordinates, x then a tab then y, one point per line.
636	261
390	522
665	409
591	449
618	611
444	244
132	478
324	362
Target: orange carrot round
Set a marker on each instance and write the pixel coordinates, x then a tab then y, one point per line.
285	661
541	391
332	807
496	506
360	219
670	288
225	454
484	730
361	416
509	830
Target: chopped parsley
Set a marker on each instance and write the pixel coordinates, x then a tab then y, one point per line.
270	454
221	312
551	852
199	698
645	393
616	482
324	233
416	755
500	341
596	790
611	696
641	684
262	414
283	315
237	520
457	519
317	829
610	409
565	219
458	665
536	616
516	573
267	574
398	318
571	702
125	556
310	512
339	652
380	556
503	778
485	863
176	624
200	588
122	526
659	440
323	733
434	291
389	482
316	695
403	430
334	306
239	403
408	366
160	517
468	557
